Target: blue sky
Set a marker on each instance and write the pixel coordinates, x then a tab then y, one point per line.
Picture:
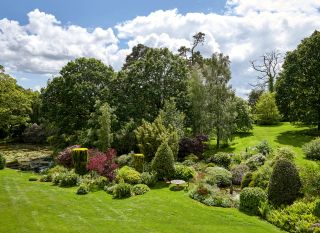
38	37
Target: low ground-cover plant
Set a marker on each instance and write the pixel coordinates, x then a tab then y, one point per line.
251	199
129	175
93	181
219	176
312	149
238	172
140	189
298	217
285	184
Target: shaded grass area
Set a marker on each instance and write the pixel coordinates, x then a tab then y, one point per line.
284	134
40	207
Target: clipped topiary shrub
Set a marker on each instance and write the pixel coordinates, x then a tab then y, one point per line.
64	158
222	159
285	184
255	161
137	162
129	175
163	162
238	172
219	176
149	178
122	190
2	161
251	199
184	172
312	149
140	189
80	160
247	178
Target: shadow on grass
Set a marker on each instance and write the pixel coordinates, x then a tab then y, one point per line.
160	185
296	138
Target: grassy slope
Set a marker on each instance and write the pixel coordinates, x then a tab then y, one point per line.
284	134
40	207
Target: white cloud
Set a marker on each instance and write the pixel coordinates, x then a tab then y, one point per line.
245	31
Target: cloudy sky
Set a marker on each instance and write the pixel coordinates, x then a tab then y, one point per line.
38	37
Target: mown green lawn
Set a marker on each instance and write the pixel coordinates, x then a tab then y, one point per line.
40	207
284	134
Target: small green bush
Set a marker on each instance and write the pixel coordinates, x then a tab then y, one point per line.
316	210
221	159
80	160
310	178
247	178
93	181
83	189
163	162
219	176
124	160
149	178
57	169
251	199
264	147
67	179
109	189
122	190
2	161
192	157
238	172
33	178
312	149
129	175
184	172
140	189
46	178
285	184
255	161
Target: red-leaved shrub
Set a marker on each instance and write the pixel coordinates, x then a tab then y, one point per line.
64	158
103	163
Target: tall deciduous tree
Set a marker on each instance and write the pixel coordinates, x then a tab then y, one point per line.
267	112
142	88
69	98
298	86
243	118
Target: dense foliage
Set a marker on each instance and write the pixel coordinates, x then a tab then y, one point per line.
140	189
80	160
163	162
2	161
266	110
195	146
285	184
251	199
312	149
219	176
128	175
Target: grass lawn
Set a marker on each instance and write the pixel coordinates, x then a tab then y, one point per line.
284	134
40	207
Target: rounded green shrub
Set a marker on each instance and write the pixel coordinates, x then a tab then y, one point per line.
184	172
149	178
109	189
163	162
46	178
312	149
247	178
221	159
219	176
261	177
140	189
2	161
285	184
238	172
129	175
80	160
83	189
251	199
67	179
255	161
122	190
264	147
